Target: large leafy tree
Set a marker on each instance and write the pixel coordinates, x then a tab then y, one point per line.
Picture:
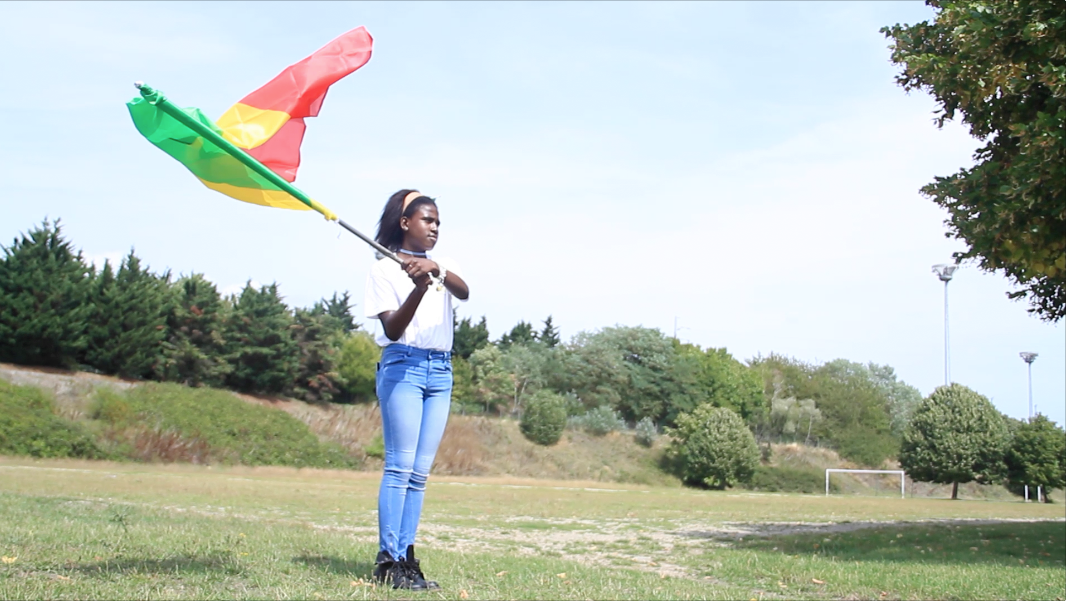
260	346
44	285
1035	454
955	435
128	322
630	369
194	347
1002	66
719	379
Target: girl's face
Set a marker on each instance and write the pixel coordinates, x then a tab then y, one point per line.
420	230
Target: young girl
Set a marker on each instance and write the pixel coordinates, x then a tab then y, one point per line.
414	379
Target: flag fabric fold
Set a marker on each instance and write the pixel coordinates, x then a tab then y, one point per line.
267	124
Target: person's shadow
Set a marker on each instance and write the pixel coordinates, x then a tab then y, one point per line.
336	565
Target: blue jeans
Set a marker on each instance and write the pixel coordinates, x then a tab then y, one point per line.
414	387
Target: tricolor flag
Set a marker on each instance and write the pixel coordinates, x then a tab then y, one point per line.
267	124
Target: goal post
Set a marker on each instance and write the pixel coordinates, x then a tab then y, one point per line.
902	476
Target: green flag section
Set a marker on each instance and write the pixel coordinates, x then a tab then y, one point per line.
216	167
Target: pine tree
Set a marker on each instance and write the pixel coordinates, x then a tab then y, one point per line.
44	284
259	341
468	337
550	334
129	319
194	347
338	310
317	341
522	333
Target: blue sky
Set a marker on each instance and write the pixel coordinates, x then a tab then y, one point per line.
745	172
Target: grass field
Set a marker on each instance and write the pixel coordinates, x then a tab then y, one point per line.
80	529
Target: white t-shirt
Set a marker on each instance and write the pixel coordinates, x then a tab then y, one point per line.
388	286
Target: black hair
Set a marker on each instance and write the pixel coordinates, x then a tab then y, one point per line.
389	233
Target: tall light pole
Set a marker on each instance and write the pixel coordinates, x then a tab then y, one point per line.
944	272
1029	358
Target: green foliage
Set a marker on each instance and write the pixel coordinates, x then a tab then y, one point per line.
128	321
464	396
493	385
792	418
599	421
44	285
357	366
234	431
722	381
1035	454
337	313
955	436
853	400
260	346
549	336
522	333
317	337
194	347
376	447
28	426
544	418
645	432
783	478
1001	65
713	447
469	338
627	368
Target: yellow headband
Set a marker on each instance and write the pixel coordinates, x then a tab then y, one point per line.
407	200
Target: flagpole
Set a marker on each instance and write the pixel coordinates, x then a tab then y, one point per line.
153	97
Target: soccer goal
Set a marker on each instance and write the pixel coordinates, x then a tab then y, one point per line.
902	481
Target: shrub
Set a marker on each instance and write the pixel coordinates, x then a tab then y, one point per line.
713	447
544	418
28	426
646	433
789	479
599	421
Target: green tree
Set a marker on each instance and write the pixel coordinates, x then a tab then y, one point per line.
791	418
337	312
317	336
955	435
549	336
1002	66
544	418
194	346
44	285
521	333
631	369
464	395
1035	454
260	346
493	383
469	337
722	381
357	366
712	446
128	322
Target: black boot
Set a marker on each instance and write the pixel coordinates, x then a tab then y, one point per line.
382	564
414	572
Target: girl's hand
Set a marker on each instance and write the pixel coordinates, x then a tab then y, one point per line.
418	267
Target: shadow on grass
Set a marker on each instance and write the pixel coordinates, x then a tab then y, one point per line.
1017	544
336	565
196	564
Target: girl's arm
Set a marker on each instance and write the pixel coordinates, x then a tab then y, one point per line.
395	322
